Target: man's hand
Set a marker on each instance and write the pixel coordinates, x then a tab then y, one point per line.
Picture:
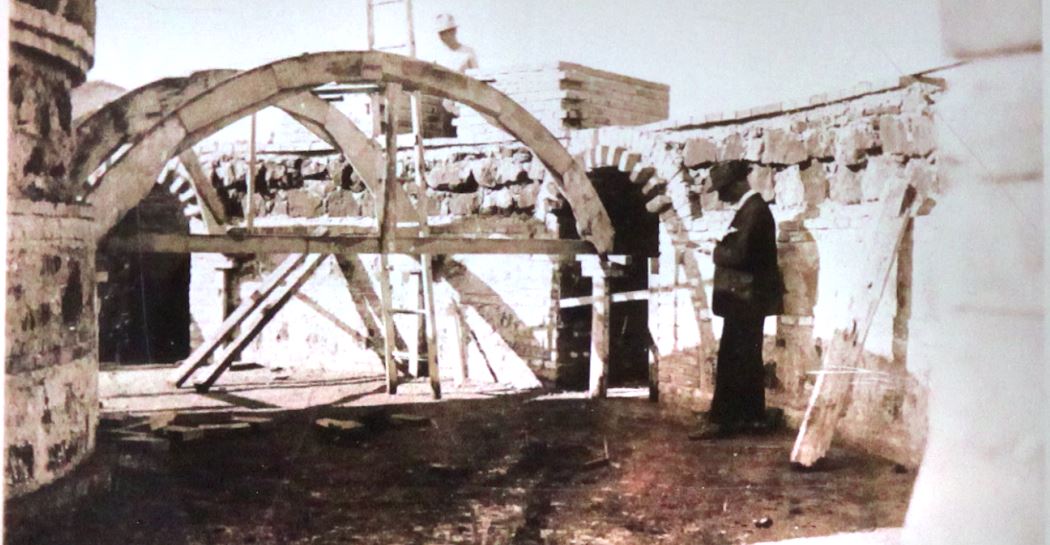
721	234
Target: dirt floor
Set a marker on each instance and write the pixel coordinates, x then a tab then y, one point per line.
488	467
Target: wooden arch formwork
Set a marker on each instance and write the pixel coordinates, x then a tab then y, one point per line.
218	98
129	179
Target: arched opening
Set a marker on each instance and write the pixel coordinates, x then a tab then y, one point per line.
144	304
637	236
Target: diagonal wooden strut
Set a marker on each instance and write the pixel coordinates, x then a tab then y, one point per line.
267	310
200	355
831	390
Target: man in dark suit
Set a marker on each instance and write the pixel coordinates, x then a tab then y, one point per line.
747	288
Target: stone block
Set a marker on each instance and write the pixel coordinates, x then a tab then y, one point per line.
498	200
733	148
753	149
761	180
464	204
788	187
484	171
536	170
780	146
342	203
699	152
303	203
907	135
819	144
525	196
446	177
658	204
923	177
844	185
880	171
815	184
853	141
511	172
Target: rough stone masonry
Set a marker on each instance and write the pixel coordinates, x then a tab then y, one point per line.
51	357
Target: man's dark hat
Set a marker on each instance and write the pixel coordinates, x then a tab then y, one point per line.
726	173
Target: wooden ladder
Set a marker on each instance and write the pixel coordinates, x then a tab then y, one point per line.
387	223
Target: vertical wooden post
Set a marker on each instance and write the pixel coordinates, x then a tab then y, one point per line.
416	350
461	336
249	207
387	231
600	332
373	99
654	351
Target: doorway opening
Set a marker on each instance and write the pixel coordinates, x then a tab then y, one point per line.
637	236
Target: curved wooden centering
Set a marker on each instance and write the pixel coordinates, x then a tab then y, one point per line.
130	179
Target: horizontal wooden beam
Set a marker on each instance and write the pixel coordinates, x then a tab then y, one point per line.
343	245
622	297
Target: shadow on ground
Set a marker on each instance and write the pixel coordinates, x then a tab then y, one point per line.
507	469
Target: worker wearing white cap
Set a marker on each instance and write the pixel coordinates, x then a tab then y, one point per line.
457	57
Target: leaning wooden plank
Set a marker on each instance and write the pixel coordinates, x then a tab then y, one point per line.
206	193
200	355
273	304
831	390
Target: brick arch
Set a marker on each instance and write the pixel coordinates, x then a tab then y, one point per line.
127	182
655	176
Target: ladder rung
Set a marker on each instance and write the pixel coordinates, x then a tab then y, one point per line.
406	311
389	47
385	2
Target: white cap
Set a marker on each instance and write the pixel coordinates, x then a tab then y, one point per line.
445	21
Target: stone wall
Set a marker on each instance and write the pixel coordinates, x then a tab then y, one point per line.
823	168
51	356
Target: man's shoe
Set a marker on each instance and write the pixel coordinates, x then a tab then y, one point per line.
709	431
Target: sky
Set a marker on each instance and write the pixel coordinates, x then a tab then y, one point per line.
716	55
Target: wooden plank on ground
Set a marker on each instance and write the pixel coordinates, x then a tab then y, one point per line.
831	391
200	355
267	310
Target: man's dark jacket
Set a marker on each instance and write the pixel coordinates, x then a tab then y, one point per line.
747	279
